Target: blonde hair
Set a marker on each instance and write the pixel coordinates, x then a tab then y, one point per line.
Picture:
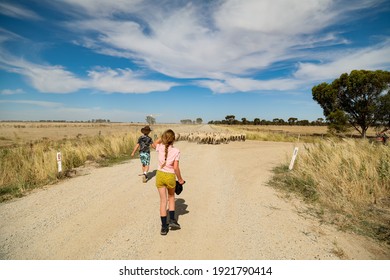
168	137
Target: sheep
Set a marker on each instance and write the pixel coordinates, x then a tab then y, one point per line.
213	138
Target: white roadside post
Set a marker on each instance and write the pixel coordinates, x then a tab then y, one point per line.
293	158
59	163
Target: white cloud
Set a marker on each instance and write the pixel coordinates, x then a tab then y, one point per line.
307	74
213	40
221	42
11	91
371	58
56	79
52	79
289	18
180	45
45	78
231	85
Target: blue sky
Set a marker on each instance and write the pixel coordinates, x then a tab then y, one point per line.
123	60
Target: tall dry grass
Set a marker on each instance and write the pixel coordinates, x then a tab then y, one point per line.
348	181
29	166
28	158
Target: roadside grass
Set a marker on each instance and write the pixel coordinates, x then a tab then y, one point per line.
346	182
33	165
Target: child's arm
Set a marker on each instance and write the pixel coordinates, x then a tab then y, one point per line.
177	171
135	149
155	143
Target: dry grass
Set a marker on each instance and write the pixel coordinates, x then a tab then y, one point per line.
28	159
348	181
29	166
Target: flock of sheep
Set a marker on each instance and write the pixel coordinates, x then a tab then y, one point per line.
210	137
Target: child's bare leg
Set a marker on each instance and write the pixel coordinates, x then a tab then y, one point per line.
163	201
171	199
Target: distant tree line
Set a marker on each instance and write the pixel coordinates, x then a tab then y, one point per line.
231	120
100	121
63	121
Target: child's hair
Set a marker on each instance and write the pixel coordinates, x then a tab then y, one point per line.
168	137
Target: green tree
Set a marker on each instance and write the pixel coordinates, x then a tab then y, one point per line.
256	121
303	122
338	121
186	121
199	120
383	116
319	121
292	120
230	119
358	96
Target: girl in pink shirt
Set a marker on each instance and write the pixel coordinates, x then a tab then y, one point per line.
167	172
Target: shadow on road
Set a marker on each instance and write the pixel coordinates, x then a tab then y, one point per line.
151	174
181	207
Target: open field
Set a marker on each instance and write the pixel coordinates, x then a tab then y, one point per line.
15	133
297	130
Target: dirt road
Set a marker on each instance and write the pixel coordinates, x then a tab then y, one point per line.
226	211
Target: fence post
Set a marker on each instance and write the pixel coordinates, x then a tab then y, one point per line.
293	158
59	162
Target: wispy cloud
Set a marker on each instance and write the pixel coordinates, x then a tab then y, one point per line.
6	35
45	104
11	91
371	58
17	11
124	81
230	85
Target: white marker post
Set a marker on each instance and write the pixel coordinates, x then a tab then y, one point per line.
59	163
293	158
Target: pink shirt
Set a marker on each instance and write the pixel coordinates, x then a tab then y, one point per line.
173	154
